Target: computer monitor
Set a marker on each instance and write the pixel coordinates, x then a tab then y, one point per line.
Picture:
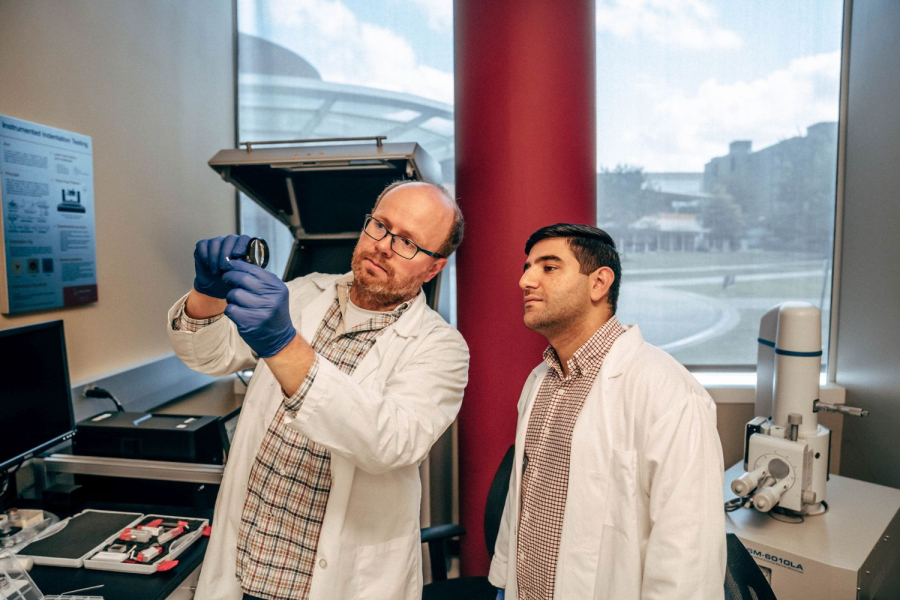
35	397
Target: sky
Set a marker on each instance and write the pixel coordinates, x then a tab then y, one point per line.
677	80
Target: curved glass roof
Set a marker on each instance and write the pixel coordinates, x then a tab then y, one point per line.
274	107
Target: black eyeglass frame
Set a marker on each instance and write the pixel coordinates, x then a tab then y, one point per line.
394	236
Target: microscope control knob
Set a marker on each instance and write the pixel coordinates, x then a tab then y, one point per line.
808	497
747	482
741	486
766	498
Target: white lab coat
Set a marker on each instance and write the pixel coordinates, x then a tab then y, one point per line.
643	517
379	424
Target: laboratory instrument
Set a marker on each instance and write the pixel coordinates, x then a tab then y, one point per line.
321	191
147	436
850	552
786	450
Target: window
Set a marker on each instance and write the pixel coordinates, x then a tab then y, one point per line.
345	68
717	140
717	153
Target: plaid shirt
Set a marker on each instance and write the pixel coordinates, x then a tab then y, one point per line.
182	322
291	477
548	445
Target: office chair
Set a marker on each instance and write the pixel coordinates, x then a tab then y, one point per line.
743	579
471	588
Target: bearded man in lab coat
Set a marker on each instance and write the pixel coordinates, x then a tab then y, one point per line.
358	378
616	490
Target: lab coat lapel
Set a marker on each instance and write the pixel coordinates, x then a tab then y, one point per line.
621	352
312	314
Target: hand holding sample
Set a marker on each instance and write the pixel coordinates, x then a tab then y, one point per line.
258	305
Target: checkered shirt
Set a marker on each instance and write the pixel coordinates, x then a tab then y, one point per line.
291	477
182	322
548	445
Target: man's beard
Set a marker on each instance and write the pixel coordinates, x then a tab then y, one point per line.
566	310
376	293
552	321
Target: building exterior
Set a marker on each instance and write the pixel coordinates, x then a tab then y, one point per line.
785	191
664	232
652	212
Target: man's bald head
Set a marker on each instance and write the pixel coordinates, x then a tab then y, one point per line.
443	198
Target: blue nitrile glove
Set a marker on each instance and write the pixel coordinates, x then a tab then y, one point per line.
501	594
258	305
210	263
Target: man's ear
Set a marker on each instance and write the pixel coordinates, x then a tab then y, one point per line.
436	268
601	280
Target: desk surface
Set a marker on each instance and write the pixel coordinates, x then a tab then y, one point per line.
214	400
127	586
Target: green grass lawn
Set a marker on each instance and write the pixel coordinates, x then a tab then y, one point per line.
661	260
703	264
796	287
739	345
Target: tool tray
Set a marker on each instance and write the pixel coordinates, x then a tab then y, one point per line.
165	560
76	541
66	543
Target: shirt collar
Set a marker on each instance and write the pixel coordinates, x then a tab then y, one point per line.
343	297
588	352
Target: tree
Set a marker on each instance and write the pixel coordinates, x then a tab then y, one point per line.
722	215
623	197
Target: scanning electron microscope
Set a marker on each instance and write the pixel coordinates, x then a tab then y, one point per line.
786	451
809	547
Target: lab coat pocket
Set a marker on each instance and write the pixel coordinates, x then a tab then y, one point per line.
618	573
620	494
389	571
580	545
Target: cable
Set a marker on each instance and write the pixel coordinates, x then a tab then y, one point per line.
736	503
785	517
6	475
99	392
93	587
742	501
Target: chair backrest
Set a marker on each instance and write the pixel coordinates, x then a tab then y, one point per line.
743	579
496	500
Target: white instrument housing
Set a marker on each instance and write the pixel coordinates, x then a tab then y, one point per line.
786	441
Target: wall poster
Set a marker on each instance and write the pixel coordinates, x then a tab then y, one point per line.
47	196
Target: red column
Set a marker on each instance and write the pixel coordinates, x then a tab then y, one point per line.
525	158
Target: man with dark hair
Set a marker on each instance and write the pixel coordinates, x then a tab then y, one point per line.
616	490
355	378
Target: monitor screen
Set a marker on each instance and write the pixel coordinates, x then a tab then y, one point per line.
35	397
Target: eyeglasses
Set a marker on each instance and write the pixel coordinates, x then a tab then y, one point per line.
402	247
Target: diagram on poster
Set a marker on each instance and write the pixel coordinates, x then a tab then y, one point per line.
47	195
